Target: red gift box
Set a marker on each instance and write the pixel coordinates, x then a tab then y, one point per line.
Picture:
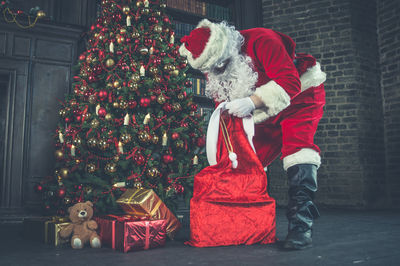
126	233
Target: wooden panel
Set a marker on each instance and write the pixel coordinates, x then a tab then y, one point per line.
50	83
59	51
3	43
21	46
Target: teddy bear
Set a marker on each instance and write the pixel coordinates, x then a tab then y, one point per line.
82	227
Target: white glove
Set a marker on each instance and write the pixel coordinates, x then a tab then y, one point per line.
240	107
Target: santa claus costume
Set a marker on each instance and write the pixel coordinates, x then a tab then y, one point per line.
259	67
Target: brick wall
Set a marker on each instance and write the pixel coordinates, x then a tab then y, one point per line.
389	51
342	36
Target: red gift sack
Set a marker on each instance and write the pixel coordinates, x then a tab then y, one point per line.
231	206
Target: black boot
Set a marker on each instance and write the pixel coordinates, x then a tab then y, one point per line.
301	210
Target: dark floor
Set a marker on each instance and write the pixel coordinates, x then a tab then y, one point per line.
340	238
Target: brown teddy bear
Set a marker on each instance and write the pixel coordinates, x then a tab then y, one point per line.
82	227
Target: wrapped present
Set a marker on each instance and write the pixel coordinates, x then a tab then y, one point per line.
145	203
46	229
126	233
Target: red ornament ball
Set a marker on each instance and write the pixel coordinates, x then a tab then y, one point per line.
193	107
168	158
102	112
145	102
38	188
67	120
200	142
82	57
103	94
167	107
139	159
61	192
175	136
132	104
188	83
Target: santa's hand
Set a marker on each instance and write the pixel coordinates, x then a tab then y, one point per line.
240	107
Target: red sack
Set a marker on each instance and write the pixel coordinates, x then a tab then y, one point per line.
231	206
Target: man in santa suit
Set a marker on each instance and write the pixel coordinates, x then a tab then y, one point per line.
257	72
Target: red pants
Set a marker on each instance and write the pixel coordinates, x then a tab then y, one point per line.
293	129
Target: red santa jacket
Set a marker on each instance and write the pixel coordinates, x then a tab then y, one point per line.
282	75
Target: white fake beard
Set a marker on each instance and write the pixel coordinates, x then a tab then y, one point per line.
237	81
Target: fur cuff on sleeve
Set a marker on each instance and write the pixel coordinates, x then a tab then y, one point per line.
275	99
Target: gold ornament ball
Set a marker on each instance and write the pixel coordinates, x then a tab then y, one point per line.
110	62
95	123
139	3
133	86
115	104
145	11
116	84
158	28
135	35
108	117
179	144
144	136
90	168
176	107
92	142
126	9
101	37
116	158
77	161
153	70
109	85
103	144
158	13
62	112
64	172
163	5
135	77
161	99
123	104
153	172
126	138
59	154
77	141
86	116
181	96
40	14
122	31
92	99
110	167
174	73
157	79
167	68
155	139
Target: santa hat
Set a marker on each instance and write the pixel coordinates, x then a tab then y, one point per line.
205	45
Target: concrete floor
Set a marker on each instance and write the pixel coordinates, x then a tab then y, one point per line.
340	238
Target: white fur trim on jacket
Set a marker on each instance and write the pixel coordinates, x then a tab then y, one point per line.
274	97
303	156
213	50
213	130
313	77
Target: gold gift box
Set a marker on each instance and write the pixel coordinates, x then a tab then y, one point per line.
46	229
145	203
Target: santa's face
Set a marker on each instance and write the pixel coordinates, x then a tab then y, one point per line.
232	78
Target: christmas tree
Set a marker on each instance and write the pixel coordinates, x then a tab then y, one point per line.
129	118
